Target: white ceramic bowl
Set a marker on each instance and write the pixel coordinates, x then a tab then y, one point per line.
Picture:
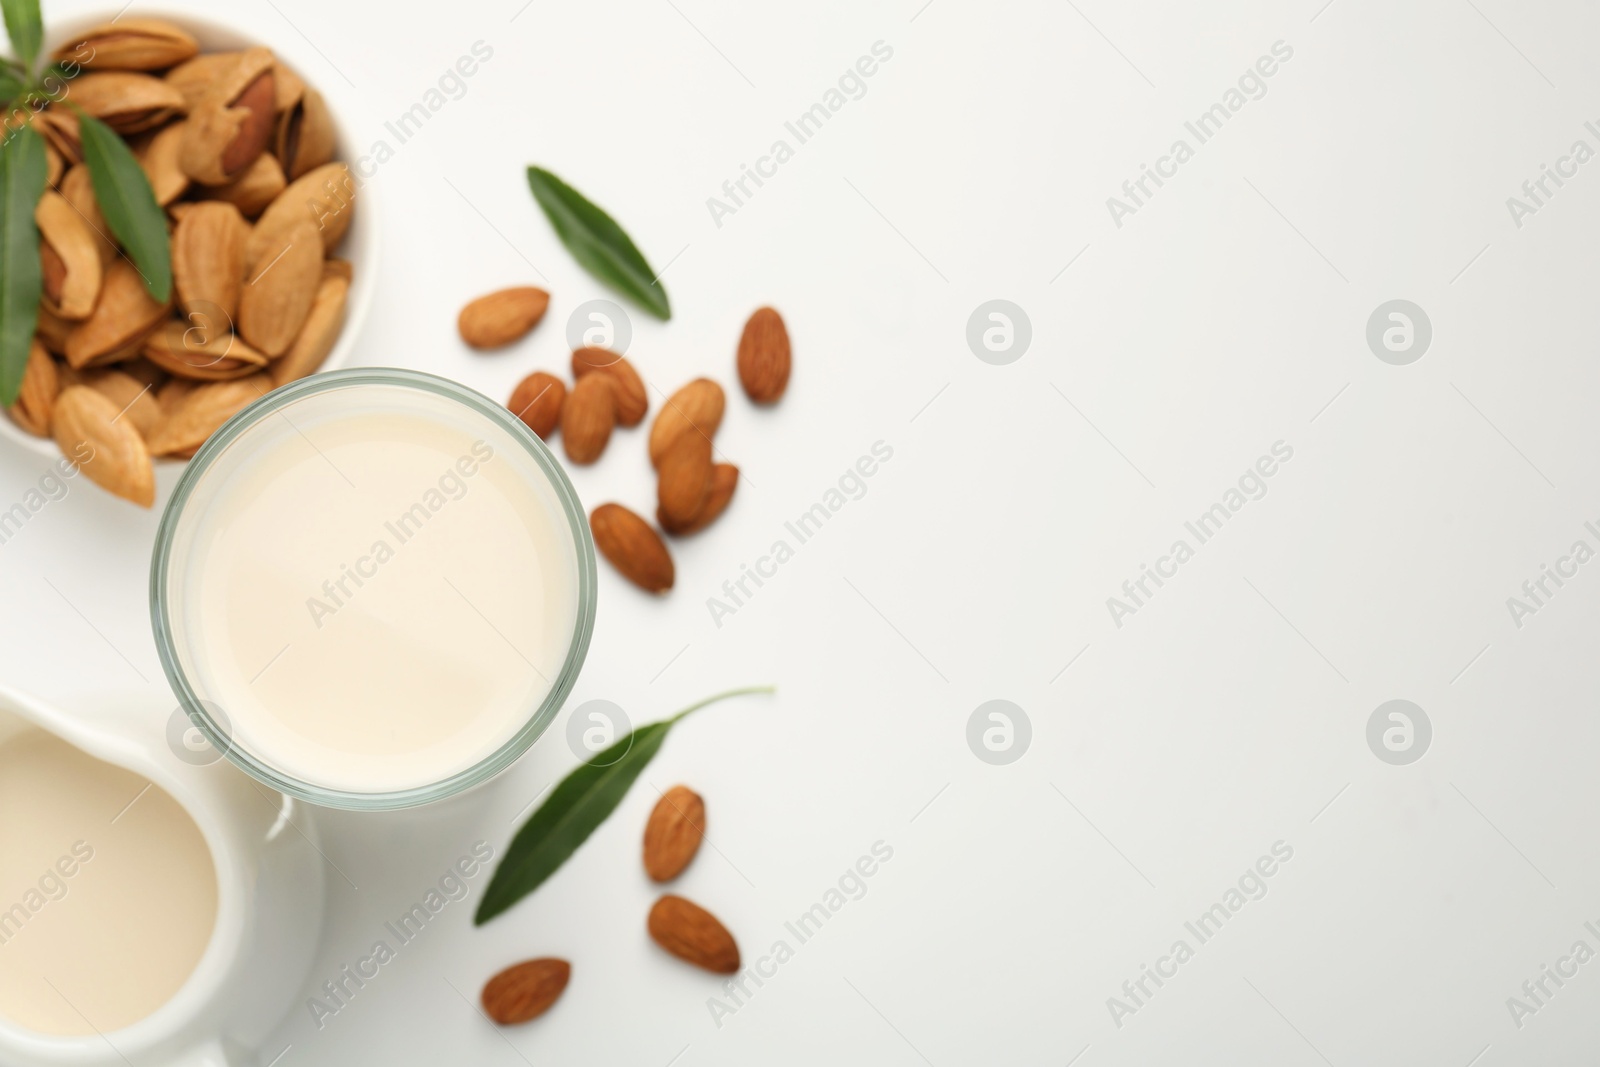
360	244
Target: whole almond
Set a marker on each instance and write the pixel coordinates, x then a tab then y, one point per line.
537	401
317	336
502	317
525	991
128	102
305	136
672	836
276	300
696	407
724	480
78	188
693	934
232	121
108	449
208	260
587	418
196	414
633	547
764	356
130	44
685	480
69	257
135	401
324	196
37	396
191	348
122	317
632	401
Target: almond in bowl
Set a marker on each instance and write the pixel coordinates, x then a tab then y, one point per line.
272	241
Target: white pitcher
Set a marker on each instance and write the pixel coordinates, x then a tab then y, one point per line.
270	884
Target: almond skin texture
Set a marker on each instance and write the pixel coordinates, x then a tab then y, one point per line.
724	480
633	547
693	934
685	480
525	991
108	449
764	357
632	401
587	418
672	836
502	317
697	406
537	401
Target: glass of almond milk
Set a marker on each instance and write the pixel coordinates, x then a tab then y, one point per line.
373	588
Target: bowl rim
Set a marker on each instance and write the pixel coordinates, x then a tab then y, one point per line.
538	721
361	245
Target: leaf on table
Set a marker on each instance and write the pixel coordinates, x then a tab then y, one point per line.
583	800
596	241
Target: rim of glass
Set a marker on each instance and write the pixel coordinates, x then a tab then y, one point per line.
538	722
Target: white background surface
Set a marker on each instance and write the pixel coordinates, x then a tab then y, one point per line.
1224	316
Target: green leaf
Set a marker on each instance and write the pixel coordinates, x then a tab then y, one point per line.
128	203
22	179
11	87
583	800
25	27
597	242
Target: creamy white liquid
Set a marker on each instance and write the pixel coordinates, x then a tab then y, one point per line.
108	895
377	587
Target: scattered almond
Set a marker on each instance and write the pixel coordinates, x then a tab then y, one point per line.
632	401
685	480
587	418
693	934
632	546
697	407
525	991
764	357
537	401
672	836
502	317
108	449
724	480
